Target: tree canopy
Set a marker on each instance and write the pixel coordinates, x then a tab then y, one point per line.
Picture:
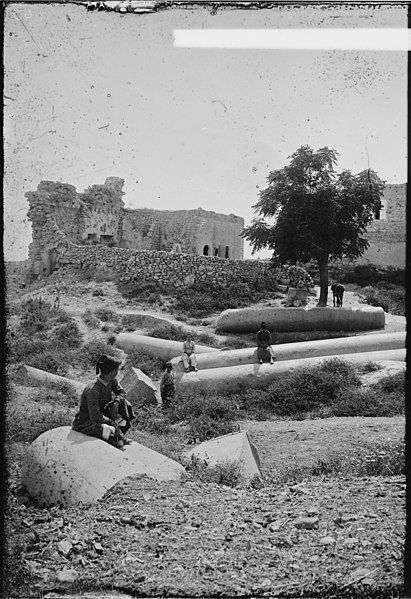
309	211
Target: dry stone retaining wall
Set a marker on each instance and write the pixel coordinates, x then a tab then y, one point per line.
165	268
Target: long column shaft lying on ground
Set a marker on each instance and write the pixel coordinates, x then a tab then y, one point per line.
303	349
35	375
158	348
248	320
236	378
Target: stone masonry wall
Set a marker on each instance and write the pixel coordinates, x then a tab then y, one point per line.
387	236
193	229
168	269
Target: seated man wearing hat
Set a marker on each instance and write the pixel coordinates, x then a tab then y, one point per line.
100	415
264	351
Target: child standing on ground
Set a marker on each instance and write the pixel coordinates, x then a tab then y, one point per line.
167	385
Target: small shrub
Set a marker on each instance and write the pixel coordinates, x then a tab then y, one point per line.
228	473
310	388
148	364
68	334
50	360
371	401
205	427
368	274
25	429
168	331
394	383
98	292
376	459
106	315
372	298
35	315
367	367
130	322
153	420
154	298
237	343
90	320
91	351
207	415
207	339
297	336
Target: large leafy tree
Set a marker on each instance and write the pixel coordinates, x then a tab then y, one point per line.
309	211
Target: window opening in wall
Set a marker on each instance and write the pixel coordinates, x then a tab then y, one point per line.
227	251
206	250
215	251
377	213
92	236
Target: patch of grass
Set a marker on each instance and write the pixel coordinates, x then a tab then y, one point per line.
394	383
369	274
206	338
169	331
45	338
177	333
377	459
331	389
90	320
98	292
67	334
233	342
391	299
89	353
297	336
370	401
130	322
202	300
307	389
26	426
366	367
169	444
148	364
106	315
227	472
206	414
153	420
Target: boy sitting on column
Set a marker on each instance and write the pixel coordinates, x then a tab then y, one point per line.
104	411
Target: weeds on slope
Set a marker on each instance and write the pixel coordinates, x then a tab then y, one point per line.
376	459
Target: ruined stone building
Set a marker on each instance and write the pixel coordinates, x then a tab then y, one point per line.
61	216
63	219
387	233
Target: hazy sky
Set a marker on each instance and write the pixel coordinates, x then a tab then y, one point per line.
97	94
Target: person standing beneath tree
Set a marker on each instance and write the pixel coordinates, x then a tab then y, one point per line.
264	351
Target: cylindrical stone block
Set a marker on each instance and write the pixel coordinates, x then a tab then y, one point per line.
303	349
235	378
248	320
158	348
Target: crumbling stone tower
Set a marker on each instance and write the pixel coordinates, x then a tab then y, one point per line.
60	216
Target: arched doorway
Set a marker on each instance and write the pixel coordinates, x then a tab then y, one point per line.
206	250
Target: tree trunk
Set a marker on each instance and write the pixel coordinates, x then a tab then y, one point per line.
323	268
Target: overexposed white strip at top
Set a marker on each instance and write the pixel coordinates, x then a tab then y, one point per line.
397	39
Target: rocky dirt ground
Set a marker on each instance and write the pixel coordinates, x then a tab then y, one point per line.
328	537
